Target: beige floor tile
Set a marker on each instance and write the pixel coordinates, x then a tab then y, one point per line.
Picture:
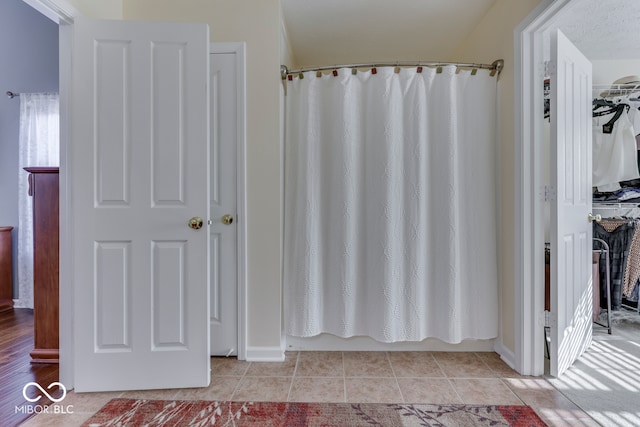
221	388
489	391
320	364
463	365
551	404
529	384
263	389
372	390
497	365
228	366
366	364
414	364
274	369
359	377
583	422
428	390
317	389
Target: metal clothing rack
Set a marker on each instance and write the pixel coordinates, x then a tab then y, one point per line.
616	90
615	205
547	335
608	282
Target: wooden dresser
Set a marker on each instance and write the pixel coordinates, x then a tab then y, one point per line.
43	187
6	265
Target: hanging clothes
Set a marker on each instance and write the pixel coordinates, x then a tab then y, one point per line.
632	270
618	234
615	157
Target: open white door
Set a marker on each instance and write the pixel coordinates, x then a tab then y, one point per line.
139	172
224	83
571	232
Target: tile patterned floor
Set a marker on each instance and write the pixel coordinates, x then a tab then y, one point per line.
377	377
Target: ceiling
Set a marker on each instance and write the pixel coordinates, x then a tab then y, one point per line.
604	30
325	32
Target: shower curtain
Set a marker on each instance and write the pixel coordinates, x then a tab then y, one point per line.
39	145
390	226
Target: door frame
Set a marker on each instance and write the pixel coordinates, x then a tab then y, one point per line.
63	14
529	225
239	49
59	11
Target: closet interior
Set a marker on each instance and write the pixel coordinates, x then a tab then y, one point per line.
616	193
615	200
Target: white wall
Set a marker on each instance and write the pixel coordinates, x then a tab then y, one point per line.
493	38
287	57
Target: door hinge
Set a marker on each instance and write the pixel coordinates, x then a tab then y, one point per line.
549	319
548	193
549	68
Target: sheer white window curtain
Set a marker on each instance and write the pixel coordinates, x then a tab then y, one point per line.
39	145
390	205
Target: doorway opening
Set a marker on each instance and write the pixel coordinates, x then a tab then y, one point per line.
532	217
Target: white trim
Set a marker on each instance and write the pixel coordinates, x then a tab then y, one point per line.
265	354
529	206
506	355
239	50
63	14
66	340
499	215
59	11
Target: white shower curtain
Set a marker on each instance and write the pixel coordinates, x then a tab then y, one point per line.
390	205
39	145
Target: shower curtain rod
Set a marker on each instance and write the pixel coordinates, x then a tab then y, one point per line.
496	66
12	94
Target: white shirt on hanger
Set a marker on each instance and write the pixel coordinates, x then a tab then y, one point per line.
614	154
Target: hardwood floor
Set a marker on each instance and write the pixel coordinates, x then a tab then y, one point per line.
16	369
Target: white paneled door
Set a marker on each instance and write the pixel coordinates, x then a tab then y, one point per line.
139	174
571	232
224	83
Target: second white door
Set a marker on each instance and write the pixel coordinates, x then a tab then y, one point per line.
571	243
224	84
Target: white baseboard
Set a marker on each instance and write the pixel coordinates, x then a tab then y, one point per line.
508	356
18	303
326	342
265	354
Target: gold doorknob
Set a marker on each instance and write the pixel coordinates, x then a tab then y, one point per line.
596	218
196	223
227	219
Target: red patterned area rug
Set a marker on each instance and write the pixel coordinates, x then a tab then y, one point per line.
200	413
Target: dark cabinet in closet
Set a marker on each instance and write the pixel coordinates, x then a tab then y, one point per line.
43	187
